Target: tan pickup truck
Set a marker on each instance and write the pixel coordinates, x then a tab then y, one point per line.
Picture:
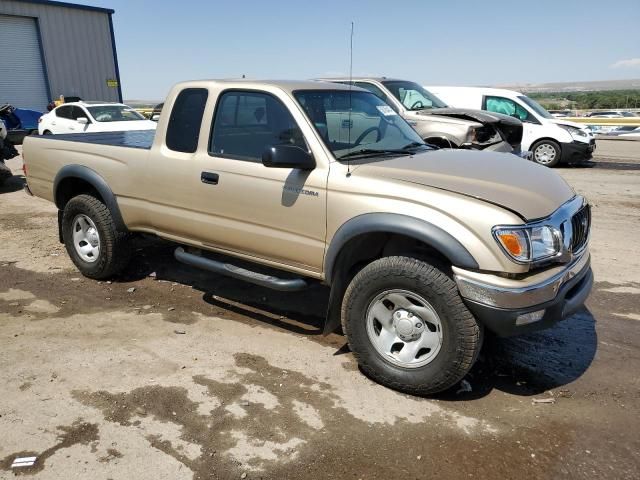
309	182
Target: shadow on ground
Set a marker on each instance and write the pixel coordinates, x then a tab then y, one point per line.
12	184
525	365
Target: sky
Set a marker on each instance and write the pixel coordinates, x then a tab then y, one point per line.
161	42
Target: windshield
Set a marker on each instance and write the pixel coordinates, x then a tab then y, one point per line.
114	113
413	96
535	106
352	123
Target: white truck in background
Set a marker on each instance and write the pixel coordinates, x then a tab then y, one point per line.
551	140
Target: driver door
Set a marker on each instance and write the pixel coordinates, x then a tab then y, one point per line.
277	214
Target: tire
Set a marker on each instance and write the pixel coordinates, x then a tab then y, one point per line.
113	250
546	152
431	370
47	132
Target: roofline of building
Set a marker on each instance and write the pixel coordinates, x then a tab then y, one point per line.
70	5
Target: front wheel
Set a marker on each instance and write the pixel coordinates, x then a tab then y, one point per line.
407	326
546	152
94	244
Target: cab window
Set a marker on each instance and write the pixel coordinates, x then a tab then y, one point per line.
246	123
507	106
183	130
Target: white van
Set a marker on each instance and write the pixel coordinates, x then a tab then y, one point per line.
551	140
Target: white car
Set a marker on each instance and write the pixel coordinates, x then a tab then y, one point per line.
89	117
551	140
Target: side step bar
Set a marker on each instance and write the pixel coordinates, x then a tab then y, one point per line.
275	283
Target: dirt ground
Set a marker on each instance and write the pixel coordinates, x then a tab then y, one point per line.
194	376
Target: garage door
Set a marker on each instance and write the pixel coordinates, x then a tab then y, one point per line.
22	81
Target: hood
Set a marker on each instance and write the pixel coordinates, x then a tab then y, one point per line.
519	185
510	127
561	121
473	115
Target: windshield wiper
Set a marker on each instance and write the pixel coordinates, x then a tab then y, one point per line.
370	152
414	145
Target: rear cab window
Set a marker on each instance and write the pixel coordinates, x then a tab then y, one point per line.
246	123
183	130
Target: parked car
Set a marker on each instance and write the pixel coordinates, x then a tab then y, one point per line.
551	140
611	114
440	125
601	129
561	113
313	182
88	117
19	122
604	114
622	130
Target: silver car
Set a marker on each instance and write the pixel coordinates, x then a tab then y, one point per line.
439	124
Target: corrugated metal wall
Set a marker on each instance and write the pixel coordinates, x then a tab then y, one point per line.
77	47
21	83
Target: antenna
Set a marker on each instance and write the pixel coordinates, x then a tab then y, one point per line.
350	87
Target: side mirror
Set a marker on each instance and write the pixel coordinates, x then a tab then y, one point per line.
288	156
82	120
155	117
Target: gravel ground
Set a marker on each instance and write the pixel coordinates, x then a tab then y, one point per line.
193	376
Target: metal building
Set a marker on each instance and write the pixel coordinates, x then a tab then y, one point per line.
49	48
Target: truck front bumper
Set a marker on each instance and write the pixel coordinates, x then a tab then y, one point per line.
510	307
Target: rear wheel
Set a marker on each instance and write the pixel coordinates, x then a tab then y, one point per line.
546	152
94	244
408	327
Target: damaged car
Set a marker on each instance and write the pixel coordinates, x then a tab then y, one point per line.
437	123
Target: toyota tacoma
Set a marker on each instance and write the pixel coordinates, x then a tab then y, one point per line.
296	183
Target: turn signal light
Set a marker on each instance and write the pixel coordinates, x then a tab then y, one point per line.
515	242
511	243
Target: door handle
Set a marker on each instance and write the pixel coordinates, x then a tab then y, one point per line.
209	177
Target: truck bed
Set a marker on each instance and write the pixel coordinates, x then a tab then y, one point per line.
142	139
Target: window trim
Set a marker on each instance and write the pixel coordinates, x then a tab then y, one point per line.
221	94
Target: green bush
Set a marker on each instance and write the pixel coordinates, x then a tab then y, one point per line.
607	99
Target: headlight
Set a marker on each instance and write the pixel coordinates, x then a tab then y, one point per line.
529	243
576	133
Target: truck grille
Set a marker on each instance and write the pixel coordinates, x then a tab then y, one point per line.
580	224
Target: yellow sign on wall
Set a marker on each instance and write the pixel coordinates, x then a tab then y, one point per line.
112	83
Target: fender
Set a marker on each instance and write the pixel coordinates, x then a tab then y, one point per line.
96	181
412	227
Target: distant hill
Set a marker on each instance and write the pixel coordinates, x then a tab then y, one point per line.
598	85
142	103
